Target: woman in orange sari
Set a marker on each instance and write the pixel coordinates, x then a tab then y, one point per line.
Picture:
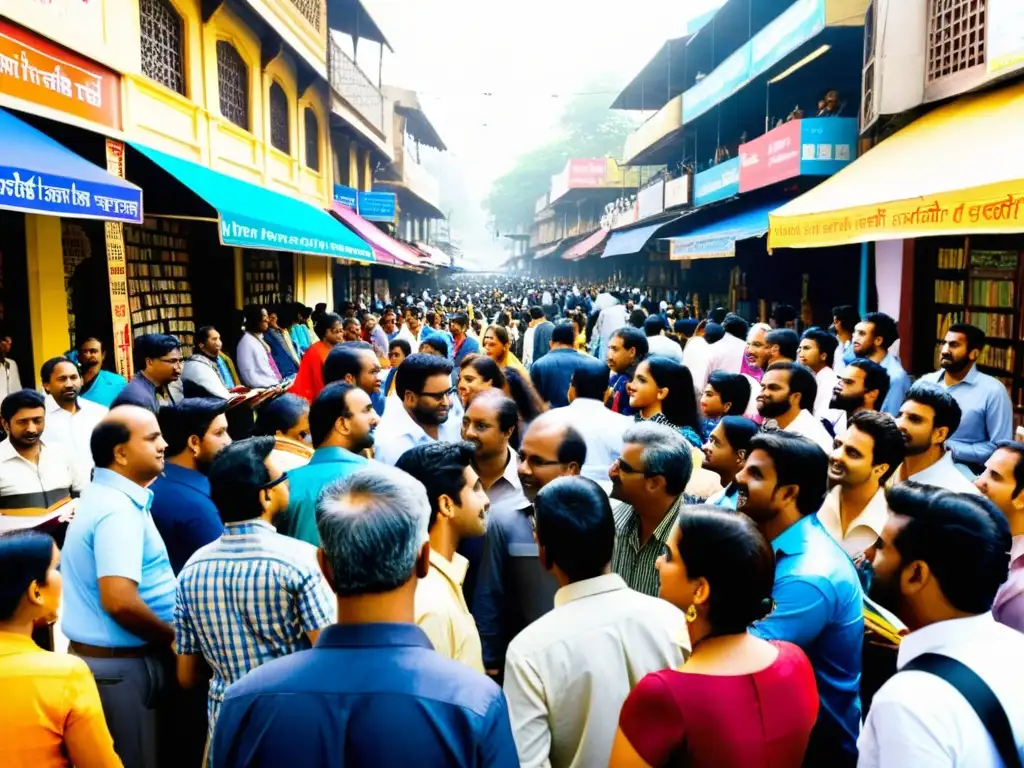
310	378
497	345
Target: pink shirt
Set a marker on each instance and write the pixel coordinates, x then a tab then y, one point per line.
1009	605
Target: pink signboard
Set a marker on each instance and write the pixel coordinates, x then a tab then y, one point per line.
587	173
770	158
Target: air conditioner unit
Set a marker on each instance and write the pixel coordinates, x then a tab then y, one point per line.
895	39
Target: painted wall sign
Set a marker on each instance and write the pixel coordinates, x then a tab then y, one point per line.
717	183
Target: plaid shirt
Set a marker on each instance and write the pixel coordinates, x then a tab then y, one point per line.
634	561
246	598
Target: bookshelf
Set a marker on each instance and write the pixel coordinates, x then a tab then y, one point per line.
159	289
262	278
977	283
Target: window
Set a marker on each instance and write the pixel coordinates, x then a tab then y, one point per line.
280	133
162	39
956	37
233	83
312	140
310	9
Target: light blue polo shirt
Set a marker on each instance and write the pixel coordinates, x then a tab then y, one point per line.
105	387
113	534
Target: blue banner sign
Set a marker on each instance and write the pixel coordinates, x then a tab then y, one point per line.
827	144
377	206
346	196
802	21
718	183
727	78
252	232
34	192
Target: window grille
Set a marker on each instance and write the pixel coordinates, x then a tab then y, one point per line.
162	40
280	134
310	9
956	37
312	140
233	83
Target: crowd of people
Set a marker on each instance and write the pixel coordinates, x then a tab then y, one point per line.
514	522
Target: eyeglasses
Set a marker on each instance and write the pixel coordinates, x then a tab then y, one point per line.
171	360
277	481
439	395
625	468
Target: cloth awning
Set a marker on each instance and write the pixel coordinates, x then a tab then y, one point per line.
255	217
40	175
438	258
718	240
386	249
958	170
585	246
633	240
547	250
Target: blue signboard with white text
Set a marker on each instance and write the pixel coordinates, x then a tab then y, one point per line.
802	21
727	78
717	183
827	144
377	206
346	196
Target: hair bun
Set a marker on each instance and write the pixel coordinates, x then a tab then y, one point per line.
767	605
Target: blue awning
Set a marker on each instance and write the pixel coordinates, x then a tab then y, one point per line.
40	175
718	240
254	217
633	240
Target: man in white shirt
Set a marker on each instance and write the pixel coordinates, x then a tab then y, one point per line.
658	343
70	419
10	378
600	427
817	351
787	396
412	327
568	673
864	457
928	417
423	384
611	319
727	353
488	424
942	560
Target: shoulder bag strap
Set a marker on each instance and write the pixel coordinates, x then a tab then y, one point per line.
978	694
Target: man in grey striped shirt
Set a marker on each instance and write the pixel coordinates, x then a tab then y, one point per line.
649	478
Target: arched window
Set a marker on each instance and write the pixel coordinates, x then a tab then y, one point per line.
163	47
312	140
280	133
233	84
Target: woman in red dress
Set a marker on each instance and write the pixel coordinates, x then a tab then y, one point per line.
310	378
738	701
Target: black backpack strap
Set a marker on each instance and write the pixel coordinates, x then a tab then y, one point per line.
981	698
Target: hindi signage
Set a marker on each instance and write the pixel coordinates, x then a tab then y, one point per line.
37	71
117	274
346	196
717	183
770	158
377	206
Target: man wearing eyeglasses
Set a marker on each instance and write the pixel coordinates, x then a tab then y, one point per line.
158	364
423	384
253	594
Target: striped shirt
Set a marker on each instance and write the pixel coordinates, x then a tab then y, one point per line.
633	562
246	598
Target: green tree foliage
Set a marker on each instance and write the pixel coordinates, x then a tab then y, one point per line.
586	128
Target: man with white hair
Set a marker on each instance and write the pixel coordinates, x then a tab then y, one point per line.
373	688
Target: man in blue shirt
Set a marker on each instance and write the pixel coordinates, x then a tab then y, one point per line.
464	345
872	337
552	374
372	691
986	412
158	364
119	586
342	423
818	598
98	385
196	430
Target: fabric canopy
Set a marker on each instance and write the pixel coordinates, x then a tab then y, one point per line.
386	249
438	258
957	170
547	251
585	246
718	240
628	241
254	217
40	175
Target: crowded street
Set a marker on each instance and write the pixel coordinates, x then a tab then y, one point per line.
349	419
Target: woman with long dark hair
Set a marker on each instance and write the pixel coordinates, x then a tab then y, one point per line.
738	700
662	391
497	344
477	373
310	379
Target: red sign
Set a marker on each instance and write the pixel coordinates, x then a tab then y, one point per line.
770	158
587	173
36	70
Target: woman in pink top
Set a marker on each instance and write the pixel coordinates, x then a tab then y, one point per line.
738	701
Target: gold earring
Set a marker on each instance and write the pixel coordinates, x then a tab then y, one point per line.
691	614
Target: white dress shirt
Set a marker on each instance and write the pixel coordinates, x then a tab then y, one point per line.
810	427
942	474
696	354
726	355
506	493
826	379
918	720
398	433
568	673
664	347
863	531
10	378
528	346
73	431
601	429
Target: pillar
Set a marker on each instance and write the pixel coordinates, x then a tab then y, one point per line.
239	278
367	171
314	280
353	165
47	301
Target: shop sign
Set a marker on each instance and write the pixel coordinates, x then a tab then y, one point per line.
827	144
35	192
37	71
802	21
117	273
1005	44
717	183
770	158
377	206
346	196
677	192
727	78
650	201
254	232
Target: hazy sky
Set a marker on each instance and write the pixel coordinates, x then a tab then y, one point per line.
528	54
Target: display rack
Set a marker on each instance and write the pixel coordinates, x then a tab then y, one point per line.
262	284
159	290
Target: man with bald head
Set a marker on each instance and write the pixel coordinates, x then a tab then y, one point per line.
513	589
119	586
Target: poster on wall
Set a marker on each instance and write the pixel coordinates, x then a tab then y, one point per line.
117	273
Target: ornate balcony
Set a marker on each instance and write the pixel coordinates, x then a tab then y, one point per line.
349	82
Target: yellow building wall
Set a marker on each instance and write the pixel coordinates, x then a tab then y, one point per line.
47	301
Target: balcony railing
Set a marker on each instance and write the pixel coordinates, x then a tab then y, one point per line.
352	85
